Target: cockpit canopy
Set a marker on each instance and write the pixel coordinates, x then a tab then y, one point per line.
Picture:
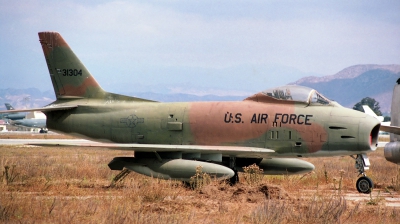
297	93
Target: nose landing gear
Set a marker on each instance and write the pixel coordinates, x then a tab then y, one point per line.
364	184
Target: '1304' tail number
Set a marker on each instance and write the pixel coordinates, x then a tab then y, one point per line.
72	72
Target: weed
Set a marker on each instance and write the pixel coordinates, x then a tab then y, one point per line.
7	207
10	174
320	210
6	212
200	179
271	211
326	174
376	200
396	181
253	174
340	182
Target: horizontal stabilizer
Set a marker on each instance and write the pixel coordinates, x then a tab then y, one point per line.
391	129
238	151
43	109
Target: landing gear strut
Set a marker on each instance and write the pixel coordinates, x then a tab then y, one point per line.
119	177
235	178
364	184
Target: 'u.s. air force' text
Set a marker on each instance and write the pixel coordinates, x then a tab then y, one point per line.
261	118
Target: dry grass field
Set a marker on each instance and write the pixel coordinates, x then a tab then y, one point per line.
72	185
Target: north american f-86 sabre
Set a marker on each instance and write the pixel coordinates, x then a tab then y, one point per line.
272	128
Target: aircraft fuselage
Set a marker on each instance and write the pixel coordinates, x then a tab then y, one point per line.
291	129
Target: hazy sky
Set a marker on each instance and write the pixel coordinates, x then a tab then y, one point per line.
132	45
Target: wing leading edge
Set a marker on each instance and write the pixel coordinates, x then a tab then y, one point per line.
238	151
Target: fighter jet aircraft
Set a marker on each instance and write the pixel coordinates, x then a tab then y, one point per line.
272	128
31	123
12	115
20	119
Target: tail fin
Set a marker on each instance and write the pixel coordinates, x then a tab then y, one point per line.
9	107
395	110
370	112
69	76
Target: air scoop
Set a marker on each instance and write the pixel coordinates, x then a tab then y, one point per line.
369	133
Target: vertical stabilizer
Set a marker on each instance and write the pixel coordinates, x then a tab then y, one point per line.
370	112
395	110
9	107
69	76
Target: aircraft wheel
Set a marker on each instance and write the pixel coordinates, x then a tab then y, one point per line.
364	185
41	131
234	179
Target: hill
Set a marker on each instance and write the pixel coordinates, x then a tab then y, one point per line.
25	98
352	84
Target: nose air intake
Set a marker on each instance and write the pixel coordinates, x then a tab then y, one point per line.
373	138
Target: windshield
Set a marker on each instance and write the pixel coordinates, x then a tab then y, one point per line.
318	98
297	93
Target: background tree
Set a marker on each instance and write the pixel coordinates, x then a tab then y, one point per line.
371	102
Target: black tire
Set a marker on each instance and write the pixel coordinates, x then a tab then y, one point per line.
364	185
234	179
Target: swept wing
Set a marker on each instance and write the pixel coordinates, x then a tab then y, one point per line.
238	151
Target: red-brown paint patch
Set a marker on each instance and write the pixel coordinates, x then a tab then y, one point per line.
208	126
70	90
51	40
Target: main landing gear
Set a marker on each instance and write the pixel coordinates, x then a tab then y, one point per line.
235	178
364	184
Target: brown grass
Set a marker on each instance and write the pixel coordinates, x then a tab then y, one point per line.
71	185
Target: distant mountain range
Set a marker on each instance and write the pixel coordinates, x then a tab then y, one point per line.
352	84
347	87
25	98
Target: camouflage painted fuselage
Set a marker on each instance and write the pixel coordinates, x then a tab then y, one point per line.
291	129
